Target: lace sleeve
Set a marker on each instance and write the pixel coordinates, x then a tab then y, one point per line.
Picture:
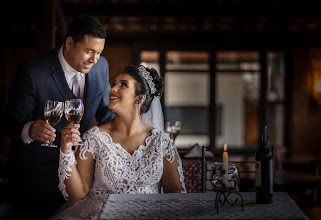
91	143
65	162
170	150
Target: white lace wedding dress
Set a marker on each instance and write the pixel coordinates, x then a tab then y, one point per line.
116	171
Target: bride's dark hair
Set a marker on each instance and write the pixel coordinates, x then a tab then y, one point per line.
142	86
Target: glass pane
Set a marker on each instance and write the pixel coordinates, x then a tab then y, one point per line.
276	74
187	89
232	56
275	98
243	66
194	119
149	56
194	125
150	59
184	60
229	96
275	122
187	95
237	98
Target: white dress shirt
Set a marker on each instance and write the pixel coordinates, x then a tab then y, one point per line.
69	73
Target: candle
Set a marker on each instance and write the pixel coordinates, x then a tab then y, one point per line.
225	166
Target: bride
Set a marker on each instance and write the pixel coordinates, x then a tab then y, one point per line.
124	155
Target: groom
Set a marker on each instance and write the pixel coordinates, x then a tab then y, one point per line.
33	169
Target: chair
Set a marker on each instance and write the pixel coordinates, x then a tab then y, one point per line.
197	171
194	170
302	183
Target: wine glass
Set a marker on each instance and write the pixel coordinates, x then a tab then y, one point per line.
173	128
74	111
53	112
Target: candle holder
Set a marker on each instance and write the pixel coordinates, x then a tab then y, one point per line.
223	191
217	180
222	198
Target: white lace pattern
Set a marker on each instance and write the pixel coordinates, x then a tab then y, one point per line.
117	171
65	162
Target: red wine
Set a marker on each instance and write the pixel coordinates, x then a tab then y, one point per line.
74	118
264	171
53	119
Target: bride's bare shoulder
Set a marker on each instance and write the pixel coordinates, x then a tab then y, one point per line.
105	127
147	128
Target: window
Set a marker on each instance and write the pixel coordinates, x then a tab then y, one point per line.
235	82
237	96
187	95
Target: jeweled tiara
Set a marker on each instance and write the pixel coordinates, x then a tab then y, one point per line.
148	78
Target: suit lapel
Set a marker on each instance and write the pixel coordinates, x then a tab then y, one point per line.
59	76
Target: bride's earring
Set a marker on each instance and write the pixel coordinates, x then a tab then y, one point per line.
137	102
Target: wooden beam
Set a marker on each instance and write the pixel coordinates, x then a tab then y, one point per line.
199	9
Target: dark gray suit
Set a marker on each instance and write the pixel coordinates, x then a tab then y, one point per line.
34	168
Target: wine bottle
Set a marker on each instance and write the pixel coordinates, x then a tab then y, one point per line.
264	171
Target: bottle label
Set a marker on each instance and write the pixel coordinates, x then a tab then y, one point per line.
258	173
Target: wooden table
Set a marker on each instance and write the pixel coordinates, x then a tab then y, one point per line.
198	206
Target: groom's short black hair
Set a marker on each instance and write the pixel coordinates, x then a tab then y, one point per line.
85	25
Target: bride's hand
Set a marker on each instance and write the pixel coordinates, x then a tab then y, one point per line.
69	135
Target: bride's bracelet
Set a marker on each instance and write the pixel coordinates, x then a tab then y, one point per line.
65	163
